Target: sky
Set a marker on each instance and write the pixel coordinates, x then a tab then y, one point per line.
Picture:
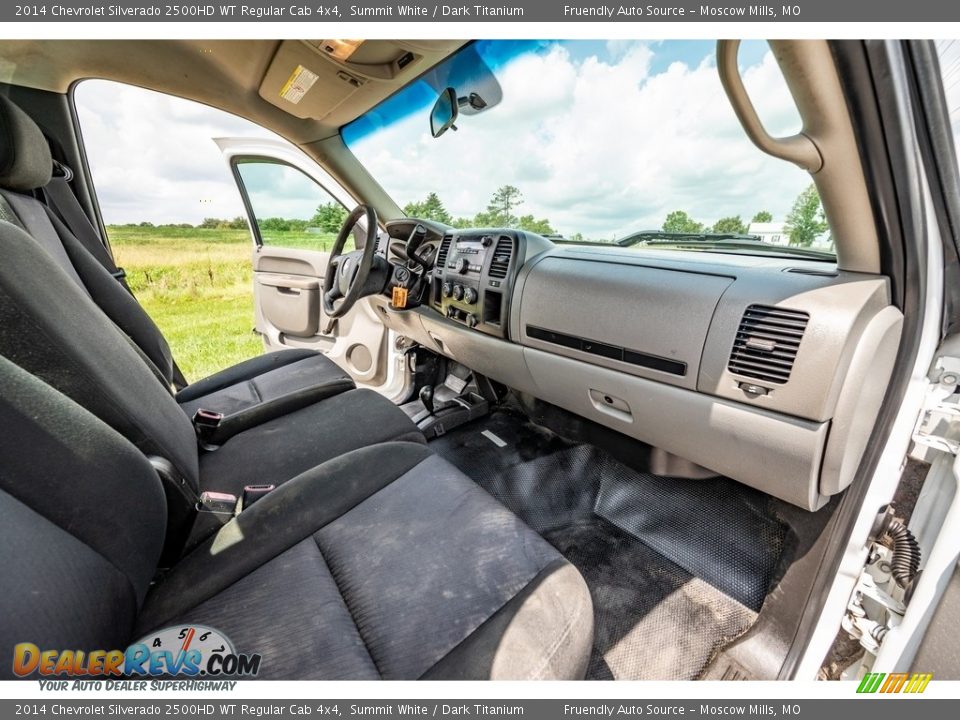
601	138
949	52
153	157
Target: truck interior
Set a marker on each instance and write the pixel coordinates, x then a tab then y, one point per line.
469	452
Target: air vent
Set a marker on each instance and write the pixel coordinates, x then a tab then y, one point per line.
500	264
442	252
767	342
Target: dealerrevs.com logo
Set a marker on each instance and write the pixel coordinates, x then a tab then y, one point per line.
179	651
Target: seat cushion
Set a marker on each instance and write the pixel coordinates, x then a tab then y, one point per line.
273	452
385	562
82	521
263	388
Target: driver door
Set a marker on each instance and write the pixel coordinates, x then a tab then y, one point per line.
294	210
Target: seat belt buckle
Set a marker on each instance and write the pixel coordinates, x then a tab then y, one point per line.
205	423
217	502
252	493
207	418
214	510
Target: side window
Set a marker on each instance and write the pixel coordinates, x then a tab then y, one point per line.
175	220
949	53
291	209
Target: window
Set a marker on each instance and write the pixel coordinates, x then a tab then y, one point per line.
949	53
292	210
627	143
174	216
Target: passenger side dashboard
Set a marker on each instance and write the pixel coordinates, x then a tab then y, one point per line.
767	370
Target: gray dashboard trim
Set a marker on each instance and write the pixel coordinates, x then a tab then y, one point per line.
658	311
777	454
801	443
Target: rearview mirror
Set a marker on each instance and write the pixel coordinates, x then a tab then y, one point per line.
444	113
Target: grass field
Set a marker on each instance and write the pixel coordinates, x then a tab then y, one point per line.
197	285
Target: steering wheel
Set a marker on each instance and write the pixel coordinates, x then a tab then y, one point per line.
348	274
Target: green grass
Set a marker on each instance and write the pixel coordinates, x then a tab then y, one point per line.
197	285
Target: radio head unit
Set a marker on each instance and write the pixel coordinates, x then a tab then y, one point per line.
473	276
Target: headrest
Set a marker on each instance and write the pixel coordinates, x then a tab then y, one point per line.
25	161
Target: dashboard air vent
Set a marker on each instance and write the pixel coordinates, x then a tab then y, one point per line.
500	263
442	252
767	342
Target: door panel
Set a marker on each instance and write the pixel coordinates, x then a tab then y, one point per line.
358	343
290	303
292	209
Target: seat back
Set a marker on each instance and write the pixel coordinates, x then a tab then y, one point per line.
83	518
22	209
53	323
52	328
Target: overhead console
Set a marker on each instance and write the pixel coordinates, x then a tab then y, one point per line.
315	79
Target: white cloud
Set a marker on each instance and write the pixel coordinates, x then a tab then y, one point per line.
152	156
600	147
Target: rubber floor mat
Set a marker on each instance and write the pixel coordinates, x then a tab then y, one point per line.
717	530
676	568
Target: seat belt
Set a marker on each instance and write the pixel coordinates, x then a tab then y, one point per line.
60	198
62	201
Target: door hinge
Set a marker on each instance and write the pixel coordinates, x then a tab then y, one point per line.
883	588
877	603
938	427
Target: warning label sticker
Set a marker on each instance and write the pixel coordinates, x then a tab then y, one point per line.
297	85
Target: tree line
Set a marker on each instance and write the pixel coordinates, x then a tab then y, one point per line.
328	217
500	212
804	223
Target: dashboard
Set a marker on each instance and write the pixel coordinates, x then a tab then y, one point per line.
765	369
472	280
472	272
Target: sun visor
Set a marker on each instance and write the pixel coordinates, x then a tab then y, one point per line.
312	78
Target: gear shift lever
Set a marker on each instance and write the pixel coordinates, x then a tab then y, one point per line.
426	397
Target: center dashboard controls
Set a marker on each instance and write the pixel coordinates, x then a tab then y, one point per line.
471	279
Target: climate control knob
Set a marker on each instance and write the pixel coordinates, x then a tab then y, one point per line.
462	265
447	290
486	241
458	292
470	296
471	320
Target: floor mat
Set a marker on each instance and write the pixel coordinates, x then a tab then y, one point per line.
676	568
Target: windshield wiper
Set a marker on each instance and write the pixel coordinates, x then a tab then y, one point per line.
727	241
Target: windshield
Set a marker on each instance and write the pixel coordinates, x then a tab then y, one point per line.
596	142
